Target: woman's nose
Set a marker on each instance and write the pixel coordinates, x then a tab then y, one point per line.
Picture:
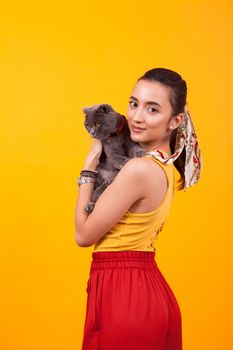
137	116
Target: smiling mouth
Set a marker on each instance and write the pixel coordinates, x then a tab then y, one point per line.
137	129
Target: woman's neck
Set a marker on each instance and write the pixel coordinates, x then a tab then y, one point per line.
165	148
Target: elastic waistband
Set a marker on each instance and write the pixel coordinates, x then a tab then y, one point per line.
123	255
127	258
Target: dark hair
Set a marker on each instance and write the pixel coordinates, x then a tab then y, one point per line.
178	94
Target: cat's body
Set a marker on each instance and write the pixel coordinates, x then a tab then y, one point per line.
105	124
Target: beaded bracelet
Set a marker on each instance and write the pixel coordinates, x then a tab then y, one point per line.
89	173
84	179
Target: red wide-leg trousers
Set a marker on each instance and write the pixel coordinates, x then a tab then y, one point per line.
130	305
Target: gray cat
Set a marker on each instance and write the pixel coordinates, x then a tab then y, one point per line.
105	124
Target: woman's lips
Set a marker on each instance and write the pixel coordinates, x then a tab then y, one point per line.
136	129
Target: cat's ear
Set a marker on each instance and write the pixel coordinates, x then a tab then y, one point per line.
86	110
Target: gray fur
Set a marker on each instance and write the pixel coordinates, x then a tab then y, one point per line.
117	148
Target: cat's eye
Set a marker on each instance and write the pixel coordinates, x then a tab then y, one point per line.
97	125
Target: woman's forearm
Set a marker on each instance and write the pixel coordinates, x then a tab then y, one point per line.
84	197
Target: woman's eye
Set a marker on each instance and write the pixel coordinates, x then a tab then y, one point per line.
130	102
154	110
97	125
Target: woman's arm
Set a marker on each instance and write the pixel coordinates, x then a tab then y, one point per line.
85	190
127	188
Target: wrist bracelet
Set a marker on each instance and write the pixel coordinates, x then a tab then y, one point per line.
84	179
89	173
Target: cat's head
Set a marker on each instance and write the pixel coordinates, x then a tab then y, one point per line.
101	120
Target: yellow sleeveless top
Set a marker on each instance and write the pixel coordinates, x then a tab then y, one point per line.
138	231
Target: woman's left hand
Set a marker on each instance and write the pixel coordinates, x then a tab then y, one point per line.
92	159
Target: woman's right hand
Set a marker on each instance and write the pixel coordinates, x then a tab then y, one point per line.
92	159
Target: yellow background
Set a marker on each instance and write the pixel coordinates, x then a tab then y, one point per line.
57	57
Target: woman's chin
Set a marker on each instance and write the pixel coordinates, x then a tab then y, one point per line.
134	136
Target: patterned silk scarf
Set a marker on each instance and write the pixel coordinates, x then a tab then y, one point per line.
185	137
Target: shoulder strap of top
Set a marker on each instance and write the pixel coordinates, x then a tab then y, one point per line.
164	165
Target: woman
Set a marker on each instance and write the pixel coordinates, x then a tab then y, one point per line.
130	304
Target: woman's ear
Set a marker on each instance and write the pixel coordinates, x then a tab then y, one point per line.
179	119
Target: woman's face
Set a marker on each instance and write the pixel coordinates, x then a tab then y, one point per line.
150	109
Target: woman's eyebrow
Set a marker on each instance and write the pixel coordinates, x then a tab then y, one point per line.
147	102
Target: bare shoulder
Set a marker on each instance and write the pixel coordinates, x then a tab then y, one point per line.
136	169
143	167
143	172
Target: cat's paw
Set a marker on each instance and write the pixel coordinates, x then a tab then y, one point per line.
90	206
